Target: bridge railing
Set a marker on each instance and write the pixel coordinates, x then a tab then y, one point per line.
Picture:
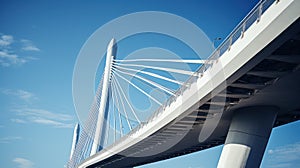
238	32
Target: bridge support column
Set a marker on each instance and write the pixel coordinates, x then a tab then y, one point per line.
248	136
102	113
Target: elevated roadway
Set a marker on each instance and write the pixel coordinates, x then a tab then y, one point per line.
258	72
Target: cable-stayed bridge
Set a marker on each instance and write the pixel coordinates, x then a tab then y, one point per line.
248	85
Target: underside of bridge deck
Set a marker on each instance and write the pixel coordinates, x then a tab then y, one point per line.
271	78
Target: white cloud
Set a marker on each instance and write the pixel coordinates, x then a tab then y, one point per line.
27	115
25	95
30	48
9	139
28	45
16	120
284	156
41	113
7	59
23	163
44	117
9	48
6	40
21	94
52	123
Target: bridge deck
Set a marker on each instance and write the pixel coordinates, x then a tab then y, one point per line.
260	71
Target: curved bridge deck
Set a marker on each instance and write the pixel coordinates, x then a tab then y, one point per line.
260	68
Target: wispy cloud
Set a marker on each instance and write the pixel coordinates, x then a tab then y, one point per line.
25	114
52	123
284	156
21	94
17	120
9	48
44	117
7	58
6	40
27	45
9	139
40	113
23	163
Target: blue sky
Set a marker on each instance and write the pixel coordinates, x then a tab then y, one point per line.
39	44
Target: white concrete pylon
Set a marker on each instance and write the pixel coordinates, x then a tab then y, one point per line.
102	113
75	139
247	137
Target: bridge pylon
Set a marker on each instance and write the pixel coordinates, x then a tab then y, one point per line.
102	113
247	137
